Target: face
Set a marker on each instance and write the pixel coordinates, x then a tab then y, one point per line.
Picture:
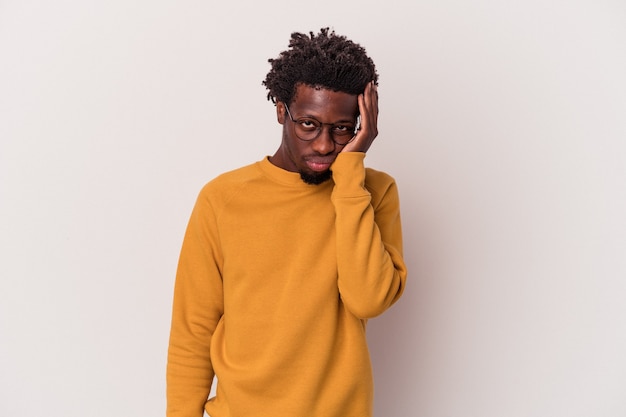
312	159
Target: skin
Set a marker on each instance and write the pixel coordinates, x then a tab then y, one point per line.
314	158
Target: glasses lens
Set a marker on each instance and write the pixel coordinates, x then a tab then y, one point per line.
308	129
343	134
344	137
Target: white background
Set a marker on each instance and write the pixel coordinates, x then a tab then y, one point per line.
504	123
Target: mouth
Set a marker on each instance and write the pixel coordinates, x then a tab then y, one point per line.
319	164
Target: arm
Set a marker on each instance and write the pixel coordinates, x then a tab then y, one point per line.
198	307
372	273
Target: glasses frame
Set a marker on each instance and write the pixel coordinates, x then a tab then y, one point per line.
320	128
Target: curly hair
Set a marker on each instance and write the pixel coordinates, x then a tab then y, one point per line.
324	60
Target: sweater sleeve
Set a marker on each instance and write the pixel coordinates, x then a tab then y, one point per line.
371	270
197	308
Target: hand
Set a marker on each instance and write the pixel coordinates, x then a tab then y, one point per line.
368	108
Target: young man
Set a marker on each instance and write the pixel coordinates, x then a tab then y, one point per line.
284	260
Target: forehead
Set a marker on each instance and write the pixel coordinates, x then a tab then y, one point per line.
318	101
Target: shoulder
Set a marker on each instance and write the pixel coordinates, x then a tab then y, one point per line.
380	185
221	188
375	179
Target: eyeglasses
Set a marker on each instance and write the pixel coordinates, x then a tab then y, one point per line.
308	129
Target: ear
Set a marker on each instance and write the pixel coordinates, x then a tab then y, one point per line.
281	113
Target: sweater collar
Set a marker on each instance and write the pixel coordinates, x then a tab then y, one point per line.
288	178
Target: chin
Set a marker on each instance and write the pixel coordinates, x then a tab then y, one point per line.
316	178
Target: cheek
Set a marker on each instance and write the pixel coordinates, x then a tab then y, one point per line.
292	152
295	146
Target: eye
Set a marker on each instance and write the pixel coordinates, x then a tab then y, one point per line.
308	124
343	130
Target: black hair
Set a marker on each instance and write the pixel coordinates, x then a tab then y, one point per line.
323	60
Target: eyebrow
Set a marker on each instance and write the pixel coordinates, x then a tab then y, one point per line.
308	116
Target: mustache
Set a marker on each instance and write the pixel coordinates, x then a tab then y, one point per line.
320	159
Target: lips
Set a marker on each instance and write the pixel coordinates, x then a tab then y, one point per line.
319	164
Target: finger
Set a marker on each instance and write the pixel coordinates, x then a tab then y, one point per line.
371	101
368	108
371	105
375	97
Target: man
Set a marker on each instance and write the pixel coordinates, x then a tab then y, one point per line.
284	260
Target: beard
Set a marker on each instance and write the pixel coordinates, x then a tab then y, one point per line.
316	178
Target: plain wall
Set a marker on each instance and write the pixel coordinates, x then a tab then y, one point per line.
504	123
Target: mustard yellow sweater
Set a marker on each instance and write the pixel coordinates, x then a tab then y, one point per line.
276	280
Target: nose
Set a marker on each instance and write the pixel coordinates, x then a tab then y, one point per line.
324	143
